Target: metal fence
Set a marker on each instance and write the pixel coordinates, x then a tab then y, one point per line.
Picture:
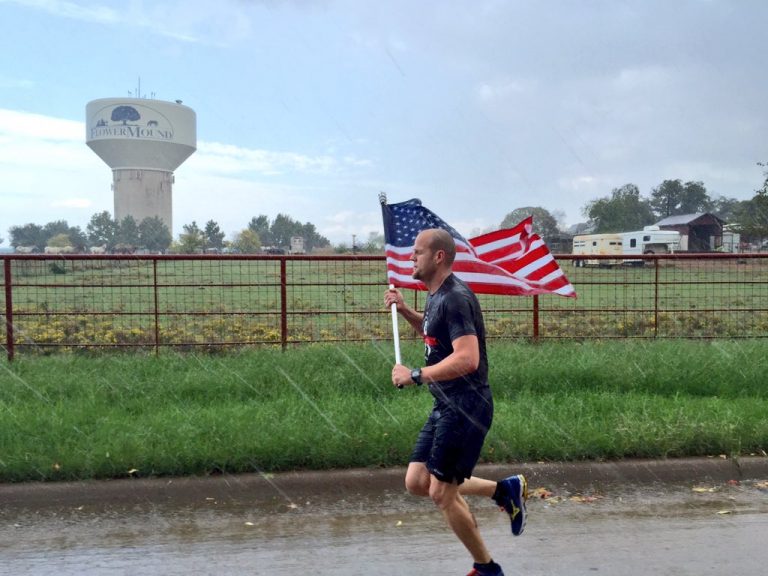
109	301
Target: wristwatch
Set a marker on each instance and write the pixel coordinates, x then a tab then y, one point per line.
416	376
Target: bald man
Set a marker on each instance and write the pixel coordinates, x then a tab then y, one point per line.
456	371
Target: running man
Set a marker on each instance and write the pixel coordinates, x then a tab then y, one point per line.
456	372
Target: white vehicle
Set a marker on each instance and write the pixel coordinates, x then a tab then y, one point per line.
650	240
297	245
597	244
731	241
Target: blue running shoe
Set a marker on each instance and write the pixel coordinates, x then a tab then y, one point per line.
510	496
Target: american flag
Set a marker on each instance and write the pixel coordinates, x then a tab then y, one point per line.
512	261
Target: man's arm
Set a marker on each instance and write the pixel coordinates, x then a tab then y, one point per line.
413	318
464	360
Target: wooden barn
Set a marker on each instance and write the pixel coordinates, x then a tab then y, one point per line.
702	232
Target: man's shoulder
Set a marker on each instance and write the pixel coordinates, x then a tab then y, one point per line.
458	288
453	283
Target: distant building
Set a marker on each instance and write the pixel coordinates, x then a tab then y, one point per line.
560	243
702	232
581	228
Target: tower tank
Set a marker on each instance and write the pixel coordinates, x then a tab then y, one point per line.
143	141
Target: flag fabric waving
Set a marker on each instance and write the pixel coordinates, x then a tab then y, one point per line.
512	261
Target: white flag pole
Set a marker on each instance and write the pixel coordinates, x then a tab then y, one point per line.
395	331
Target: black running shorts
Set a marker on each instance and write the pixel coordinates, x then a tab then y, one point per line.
452	438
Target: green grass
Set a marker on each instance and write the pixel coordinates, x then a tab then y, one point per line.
87	416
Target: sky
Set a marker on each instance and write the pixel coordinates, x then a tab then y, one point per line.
310	108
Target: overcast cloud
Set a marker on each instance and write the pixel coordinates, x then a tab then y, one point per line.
312	108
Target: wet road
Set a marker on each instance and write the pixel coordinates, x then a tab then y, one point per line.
674	528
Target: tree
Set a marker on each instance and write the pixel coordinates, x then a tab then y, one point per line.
666	197
78	238
695	199
214	237
374	244
246	242
623	211
544	224
55	228
282	229
127	236
312	239
192	240
764	189
261	226
59	241
725	208
672	197
102	230
28	235
752	215
154	234
39	236
279	232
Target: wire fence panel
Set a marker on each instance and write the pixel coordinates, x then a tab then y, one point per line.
663	296
336	299
214	302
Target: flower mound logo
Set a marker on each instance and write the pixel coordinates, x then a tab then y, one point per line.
125	123
125	114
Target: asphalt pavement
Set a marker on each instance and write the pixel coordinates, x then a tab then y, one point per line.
662	517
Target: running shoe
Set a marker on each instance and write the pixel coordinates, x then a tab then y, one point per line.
498	572
513	492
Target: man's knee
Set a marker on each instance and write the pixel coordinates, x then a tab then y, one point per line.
417	481
443	494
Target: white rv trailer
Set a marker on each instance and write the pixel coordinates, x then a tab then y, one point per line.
649	240
597	244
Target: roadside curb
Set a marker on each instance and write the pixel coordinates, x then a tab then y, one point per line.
286	486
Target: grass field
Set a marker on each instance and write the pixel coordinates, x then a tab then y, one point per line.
320	406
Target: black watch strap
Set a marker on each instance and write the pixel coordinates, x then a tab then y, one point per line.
416	376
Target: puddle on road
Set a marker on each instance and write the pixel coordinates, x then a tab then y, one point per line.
608	530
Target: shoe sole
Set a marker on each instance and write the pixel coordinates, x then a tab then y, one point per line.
523	496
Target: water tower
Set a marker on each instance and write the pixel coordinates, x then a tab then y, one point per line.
143	141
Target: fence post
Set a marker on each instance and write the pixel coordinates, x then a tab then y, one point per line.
536	318
283	304
8	309
157	312
656	299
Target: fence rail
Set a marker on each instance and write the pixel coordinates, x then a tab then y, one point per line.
212	301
